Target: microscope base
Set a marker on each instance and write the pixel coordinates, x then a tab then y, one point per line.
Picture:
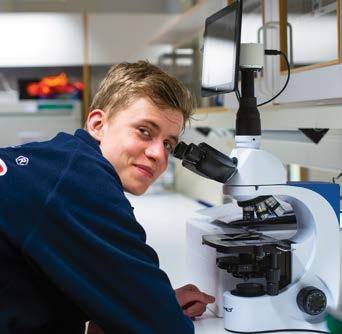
267	313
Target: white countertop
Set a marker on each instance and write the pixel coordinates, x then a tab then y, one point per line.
210	324
164	218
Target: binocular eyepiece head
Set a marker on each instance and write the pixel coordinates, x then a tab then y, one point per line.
204	160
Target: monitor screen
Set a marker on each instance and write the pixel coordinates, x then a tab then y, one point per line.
221	50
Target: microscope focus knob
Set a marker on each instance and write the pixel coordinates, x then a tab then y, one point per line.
311	300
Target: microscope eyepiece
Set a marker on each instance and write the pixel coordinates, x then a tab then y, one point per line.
204	160
179	150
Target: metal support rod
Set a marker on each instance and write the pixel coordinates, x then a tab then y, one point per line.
247	117
247	83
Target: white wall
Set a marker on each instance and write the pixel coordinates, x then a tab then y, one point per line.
41	39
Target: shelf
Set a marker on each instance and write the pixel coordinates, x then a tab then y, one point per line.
323	155
275	118
187	26
39	107
290	118
205	110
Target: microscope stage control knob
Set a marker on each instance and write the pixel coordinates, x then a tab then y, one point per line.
311	300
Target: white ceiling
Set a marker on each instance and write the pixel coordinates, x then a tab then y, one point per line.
99	6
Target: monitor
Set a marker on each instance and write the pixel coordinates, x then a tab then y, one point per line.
221	50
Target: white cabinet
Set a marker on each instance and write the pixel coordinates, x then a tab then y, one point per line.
115	38
57	39
26	121
308	32
41	39
315	85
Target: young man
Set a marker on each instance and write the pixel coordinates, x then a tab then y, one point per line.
70	247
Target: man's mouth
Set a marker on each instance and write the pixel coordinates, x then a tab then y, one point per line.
148	171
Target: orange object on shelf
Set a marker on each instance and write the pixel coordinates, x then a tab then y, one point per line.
55	80
54	86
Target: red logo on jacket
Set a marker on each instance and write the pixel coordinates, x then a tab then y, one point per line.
3	168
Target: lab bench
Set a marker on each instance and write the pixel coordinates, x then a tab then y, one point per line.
210	324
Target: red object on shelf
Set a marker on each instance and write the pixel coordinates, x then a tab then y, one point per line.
54	85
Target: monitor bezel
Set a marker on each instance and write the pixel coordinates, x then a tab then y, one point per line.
215	90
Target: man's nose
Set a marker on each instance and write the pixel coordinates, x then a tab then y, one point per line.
156	150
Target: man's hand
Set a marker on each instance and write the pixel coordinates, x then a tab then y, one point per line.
94	329
192	300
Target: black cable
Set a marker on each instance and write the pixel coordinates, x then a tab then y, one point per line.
237	94
336	177
274	53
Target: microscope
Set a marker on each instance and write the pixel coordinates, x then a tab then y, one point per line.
270	255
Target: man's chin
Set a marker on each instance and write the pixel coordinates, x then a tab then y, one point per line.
136	190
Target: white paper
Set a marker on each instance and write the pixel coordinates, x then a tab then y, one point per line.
226	213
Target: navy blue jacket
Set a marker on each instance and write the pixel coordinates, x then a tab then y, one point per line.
71	249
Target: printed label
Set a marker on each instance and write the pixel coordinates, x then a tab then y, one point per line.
22	161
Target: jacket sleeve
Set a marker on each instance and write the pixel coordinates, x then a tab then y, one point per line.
89	244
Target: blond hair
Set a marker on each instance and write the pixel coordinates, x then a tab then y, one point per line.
126	82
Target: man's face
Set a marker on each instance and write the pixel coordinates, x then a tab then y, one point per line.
137	141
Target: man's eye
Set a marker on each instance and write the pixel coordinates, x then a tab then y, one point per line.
168	146
144	132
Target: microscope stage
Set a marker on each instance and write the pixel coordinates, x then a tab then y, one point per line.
245	241
285	222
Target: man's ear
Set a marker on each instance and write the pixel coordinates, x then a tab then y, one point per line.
95	122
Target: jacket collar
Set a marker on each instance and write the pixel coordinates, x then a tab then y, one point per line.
86	137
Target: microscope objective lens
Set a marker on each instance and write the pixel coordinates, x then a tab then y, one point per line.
274	206
261	210
248	212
